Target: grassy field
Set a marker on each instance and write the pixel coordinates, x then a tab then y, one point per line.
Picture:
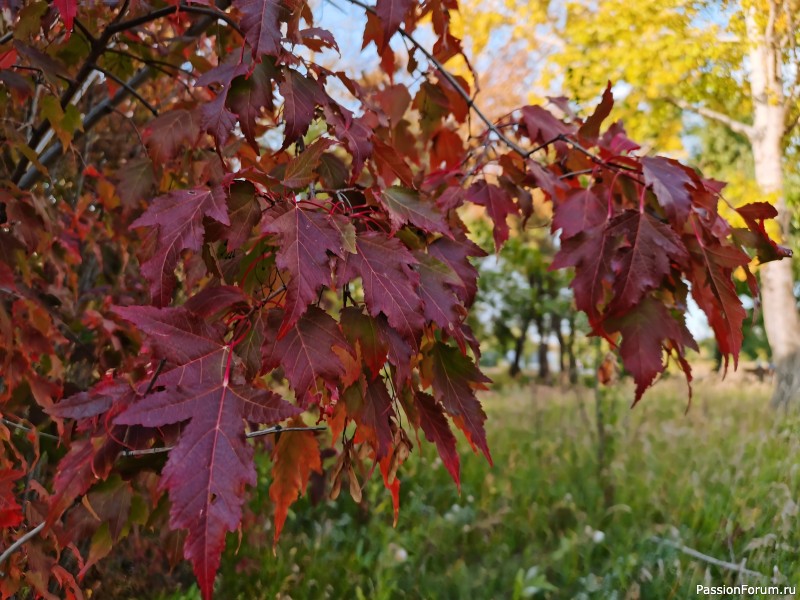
566	512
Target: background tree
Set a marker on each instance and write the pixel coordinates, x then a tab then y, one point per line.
209	238
519	295
730	63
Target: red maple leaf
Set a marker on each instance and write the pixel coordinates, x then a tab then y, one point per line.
295	457
710	274
455	378
306	238
68	10
644	257
178	216
499	205
301	95
671	183
306	351
212	463
437	285
10	509
434	424
384	265
583	210
405	206
260	23
647	330
392	13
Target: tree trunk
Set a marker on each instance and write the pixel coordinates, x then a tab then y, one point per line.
519	349
781	320
544	367
573	360
555	327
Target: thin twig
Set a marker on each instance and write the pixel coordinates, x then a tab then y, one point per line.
724	564
107	106
164	12
734	125
252	434
132	91
453	82
18	544
28	429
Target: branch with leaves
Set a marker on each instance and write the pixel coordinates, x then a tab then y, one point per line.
260	259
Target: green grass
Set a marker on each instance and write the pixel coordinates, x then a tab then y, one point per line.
547	521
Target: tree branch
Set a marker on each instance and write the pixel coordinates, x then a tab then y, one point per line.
131	91
729	122
18	544
723	564
454	83
252	434
108	105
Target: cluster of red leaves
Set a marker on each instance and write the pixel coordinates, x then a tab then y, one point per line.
329	277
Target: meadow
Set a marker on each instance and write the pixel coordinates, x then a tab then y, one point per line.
570	509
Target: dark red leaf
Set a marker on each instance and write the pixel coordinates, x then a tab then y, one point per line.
437	285
306	239
436	429
178	216
306	352
671	184
384	265
647	330
710	273
455	253
204	388
644	258
405	206
170	134
261	26
583	210
355	133
392	13
591	127
499	205
301	95
455	378
541	126
250	95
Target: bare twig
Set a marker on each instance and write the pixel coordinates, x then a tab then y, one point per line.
131	91
723	564
729	122
456	86
28	429
18	544
166	11
252	434
107	106
156	373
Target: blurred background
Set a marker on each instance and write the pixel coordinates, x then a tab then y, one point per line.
588	498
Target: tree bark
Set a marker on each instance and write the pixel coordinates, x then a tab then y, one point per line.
544	367
781	320
573	360
519	349
555	327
